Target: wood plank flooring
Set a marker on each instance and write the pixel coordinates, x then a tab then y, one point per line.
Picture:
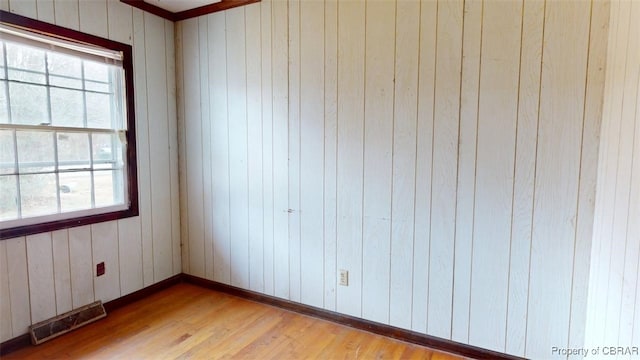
190	322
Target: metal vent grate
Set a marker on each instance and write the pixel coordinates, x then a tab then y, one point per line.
62	324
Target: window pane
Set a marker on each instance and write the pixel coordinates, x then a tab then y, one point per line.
27	76
8	197
28	104
35	151
97	77
65	82
25	63
98	110
65	71
67	108
108	187
2	68
38	194
107	152
75	190
97	86
73	151
7	159
4	113
96	71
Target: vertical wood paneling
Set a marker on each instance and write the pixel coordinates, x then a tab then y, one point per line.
24	7
219	147
61	271
88	21
158	130
267	145
16	252
613	235
404	161
120	22
606	173
556	183
4	5
469	93
629	328
130	255
444	172
311	152
633	233
588	171
170	54
618	274
142	134
330	150
81	267
254	144
46	11
612	312
596	294
238	176
42	291
439	156
67	13
524	176
280	78
351	65
497	115
105	249
6	331
207	168
193	148
424	148
182	144
378	150
294	150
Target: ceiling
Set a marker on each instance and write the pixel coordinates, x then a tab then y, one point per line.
176	6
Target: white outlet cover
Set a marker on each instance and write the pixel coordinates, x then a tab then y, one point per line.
343	277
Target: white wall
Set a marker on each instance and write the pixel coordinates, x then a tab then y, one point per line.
51	273
444	153
614	299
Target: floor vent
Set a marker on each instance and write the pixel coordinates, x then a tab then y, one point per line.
62	324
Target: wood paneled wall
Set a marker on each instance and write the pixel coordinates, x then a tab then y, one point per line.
443	152
614	299
48	274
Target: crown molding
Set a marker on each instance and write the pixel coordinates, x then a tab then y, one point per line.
187	14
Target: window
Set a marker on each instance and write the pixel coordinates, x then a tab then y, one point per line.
67	137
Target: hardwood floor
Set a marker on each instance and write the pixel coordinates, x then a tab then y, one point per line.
187	321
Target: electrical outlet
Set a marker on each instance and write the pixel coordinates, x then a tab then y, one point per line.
100	269
343	278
